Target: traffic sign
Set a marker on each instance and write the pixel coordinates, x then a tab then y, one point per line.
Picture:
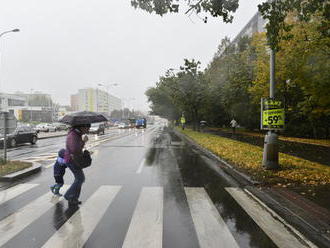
11	122
272	114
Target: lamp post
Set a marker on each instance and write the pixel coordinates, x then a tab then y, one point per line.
30	103
2	34
9	31
5	113
270	152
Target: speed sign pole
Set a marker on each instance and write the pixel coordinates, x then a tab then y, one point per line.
270	153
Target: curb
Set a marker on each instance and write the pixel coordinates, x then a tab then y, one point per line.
309	224
35	168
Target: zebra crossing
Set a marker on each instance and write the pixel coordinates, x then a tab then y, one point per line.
86	217
146	225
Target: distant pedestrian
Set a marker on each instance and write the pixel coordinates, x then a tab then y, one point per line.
59	171
75	143
233	125
202	124
183	122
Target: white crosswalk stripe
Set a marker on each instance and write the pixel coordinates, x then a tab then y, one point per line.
275	229
211	229
12	192
78	228
16	222
146	228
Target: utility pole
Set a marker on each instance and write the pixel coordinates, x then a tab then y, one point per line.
5	137
270	153
30	103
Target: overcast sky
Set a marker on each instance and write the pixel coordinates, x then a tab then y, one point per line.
65	45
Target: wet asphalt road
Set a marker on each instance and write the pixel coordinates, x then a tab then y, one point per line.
138	192
48	147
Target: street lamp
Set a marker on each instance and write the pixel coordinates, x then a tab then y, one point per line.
2	34
30	103
9	31
4	114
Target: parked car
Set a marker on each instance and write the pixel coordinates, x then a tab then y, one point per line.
51	127
123	125
97	128
21	135
41	128
60	126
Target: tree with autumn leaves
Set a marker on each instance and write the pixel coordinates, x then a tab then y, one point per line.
302	75
238	76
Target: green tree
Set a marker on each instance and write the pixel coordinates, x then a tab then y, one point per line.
161	102
275	12
231	73
301	75
181	92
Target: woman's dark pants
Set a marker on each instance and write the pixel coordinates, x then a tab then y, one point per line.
73	192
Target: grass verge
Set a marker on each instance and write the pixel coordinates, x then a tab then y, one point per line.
13	166
320	142
247	158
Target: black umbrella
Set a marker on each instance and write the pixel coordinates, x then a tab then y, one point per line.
82	118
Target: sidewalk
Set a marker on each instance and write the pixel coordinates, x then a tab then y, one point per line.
308	218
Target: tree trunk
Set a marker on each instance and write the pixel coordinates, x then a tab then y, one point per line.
326	132
314	130
195	119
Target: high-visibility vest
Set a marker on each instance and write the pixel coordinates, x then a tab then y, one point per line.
183	120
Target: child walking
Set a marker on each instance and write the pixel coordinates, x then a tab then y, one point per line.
59	171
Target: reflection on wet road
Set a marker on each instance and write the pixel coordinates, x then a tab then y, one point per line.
145	189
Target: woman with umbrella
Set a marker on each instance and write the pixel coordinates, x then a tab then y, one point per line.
80	122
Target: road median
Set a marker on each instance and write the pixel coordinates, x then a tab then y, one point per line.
15	170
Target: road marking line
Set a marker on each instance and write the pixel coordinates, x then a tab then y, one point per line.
139	170
76	231
16	222
276	230
211	229
146	227
12	192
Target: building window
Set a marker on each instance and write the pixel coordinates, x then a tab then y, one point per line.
16	102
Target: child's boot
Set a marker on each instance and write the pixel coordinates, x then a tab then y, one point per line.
52	188
57	190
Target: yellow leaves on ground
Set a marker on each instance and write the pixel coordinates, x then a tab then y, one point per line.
322	142
248	158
